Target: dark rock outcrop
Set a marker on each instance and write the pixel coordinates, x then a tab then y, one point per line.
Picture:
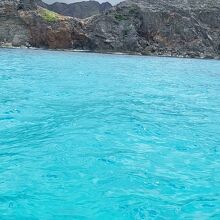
188	28
12	29
161	27
27	5
82	9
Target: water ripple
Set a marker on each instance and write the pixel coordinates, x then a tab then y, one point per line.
92	136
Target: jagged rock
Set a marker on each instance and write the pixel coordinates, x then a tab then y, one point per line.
186	28
161	27
27	5
64	33
13	30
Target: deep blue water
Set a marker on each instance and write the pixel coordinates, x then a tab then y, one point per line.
108	137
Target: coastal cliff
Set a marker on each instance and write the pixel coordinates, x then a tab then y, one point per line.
189	28
12	29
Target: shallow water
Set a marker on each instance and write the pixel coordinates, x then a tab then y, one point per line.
109	137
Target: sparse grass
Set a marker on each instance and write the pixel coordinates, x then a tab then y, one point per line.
48	16
120	17
133	10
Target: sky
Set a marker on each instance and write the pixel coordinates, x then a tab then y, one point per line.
71	1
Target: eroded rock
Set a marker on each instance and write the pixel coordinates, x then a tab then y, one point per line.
189	28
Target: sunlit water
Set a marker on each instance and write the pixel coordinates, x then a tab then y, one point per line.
108	137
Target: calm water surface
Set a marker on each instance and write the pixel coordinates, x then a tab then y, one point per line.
108	137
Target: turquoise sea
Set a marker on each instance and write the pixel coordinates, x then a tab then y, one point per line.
108	137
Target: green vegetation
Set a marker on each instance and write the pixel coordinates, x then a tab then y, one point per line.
134	9
48	16
120	17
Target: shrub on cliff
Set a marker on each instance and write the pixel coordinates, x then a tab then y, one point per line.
48	16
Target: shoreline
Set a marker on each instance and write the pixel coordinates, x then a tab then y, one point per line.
9	46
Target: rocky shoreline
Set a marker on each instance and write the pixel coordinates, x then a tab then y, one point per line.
10	46
143	27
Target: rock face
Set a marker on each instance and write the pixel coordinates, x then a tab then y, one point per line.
59	33
82	9
161	27
189	28
12	29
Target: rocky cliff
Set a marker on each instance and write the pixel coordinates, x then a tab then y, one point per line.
82	9
161	27
189	28
12	28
